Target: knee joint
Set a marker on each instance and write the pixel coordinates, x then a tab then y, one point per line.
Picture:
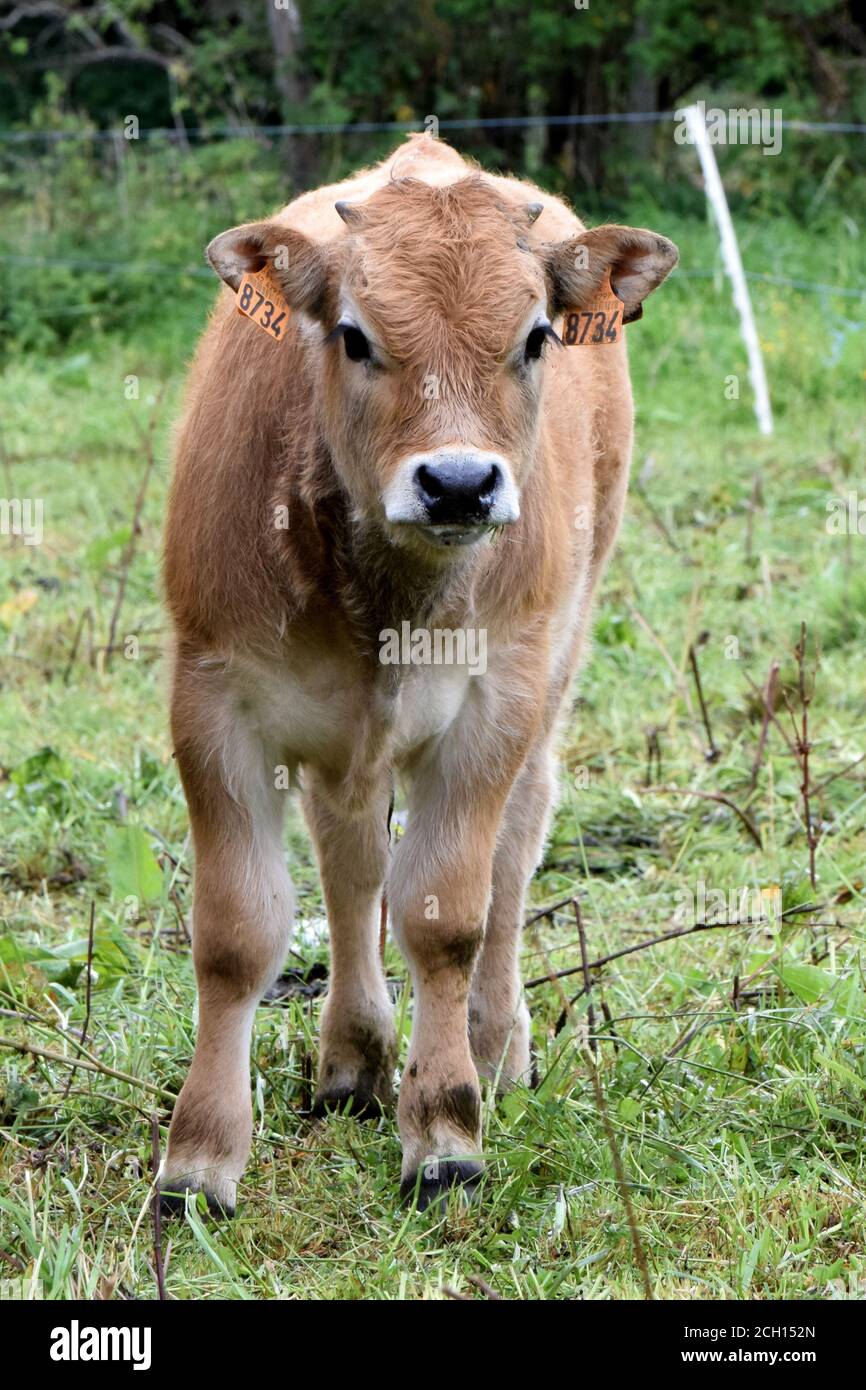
236	952
442	943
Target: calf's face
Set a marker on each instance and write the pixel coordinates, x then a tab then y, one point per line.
433	318
436	381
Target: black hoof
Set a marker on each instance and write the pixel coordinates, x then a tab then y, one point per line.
172	1200
361	1104
435	1179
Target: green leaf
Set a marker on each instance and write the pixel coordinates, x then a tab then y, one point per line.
850	998
133	871
808	983
839	1069
113	955
747	1267
629	1109
54	965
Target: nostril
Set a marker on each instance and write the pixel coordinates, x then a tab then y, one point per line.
489	485
429	482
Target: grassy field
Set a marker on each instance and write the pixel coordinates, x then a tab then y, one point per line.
732	1060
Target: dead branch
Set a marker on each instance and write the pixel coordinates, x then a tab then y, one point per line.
721	799
490	1294
772	715
156	1208
712	754
130	548
85	1064
670	936
768	695
804	748
584	960
88	988
610	1135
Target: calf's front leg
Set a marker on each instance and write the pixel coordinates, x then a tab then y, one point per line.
438	894
357	1047
499	1031
242	909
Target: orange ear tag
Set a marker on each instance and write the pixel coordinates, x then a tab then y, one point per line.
596	325
261	300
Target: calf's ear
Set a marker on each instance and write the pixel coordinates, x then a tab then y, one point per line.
636	260
296	263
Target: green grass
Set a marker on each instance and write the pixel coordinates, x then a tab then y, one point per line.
741	1130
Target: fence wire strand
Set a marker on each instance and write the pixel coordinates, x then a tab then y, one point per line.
525	122
203	133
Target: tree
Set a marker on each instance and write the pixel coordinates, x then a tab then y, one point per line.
292	83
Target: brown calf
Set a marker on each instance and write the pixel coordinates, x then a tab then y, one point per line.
409	464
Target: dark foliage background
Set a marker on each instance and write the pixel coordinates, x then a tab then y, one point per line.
180	64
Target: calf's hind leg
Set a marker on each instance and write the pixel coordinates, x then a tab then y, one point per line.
241	916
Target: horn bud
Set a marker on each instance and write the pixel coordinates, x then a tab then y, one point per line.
348	212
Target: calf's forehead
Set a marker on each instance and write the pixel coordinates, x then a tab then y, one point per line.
443	270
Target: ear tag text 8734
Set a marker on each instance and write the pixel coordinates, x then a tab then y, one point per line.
596	325
260	299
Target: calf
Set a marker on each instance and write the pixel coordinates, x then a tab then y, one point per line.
406	464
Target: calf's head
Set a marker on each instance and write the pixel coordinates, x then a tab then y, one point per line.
430	318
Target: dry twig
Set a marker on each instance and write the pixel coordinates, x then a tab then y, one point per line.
601	1106
768	697
84	1063
156	1208
721	799
146	437
712	753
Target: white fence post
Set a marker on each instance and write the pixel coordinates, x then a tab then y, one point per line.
733	265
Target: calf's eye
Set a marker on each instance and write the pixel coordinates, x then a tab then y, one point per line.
535	344
356	345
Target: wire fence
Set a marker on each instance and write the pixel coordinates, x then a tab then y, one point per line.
178	134
526	122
